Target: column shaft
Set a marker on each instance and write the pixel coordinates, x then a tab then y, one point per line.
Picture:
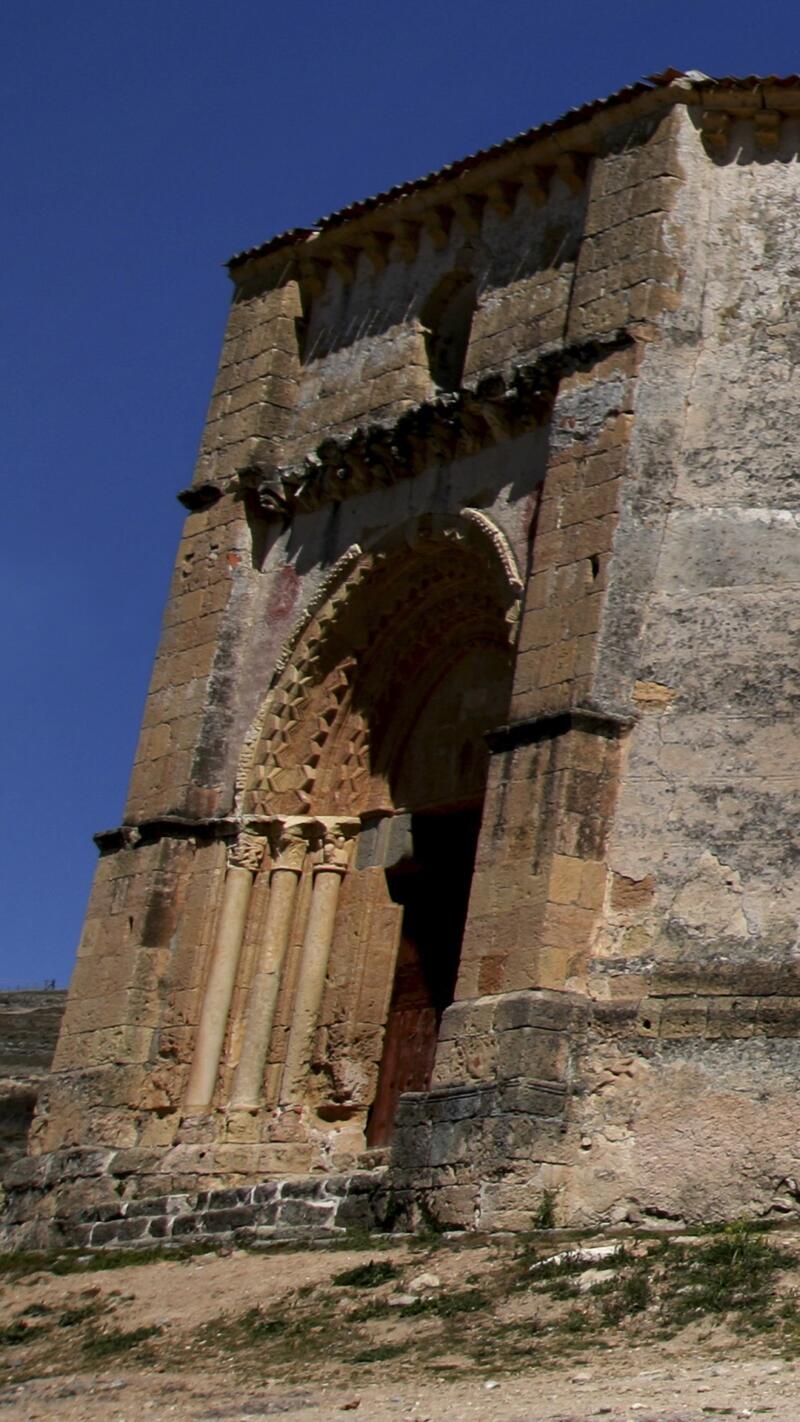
222	975
249	1078
311	981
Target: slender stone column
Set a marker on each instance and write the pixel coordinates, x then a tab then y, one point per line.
289	841
244	860
336	837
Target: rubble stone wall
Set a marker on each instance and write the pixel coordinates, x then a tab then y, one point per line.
29	1026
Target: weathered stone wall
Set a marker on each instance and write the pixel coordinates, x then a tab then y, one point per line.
611	488
702	906
29	1026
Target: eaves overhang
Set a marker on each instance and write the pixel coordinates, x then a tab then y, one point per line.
376	221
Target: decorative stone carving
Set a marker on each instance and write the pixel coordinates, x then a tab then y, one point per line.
445	427
289	839
337	836
318	737
247	851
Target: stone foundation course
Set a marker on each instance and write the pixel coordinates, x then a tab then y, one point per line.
309	1207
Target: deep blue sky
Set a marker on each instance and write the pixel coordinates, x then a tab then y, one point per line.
144	142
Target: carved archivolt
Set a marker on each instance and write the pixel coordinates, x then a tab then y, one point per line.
379	637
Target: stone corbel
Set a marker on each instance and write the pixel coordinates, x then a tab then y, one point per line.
273	496
767	128
311	273
469	210
502	197
437	222
345	261
571	169
715	127
376	245
406	238
536	186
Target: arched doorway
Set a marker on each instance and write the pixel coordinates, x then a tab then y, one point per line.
378	717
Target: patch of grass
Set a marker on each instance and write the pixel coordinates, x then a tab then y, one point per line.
380	1353
576	1321
19	1263
16	1263
562	1288
448	1305
275	1336
734	1272
561	1266
19	1332
629	1293
74	1316
367	1276
257	1324
117	1340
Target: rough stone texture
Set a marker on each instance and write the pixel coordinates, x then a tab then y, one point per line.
557	590
29	1025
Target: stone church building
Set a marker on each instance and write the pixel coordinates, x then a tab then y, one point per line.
458	878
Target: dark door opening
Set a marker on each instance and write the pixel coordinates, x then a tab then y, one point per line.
433	887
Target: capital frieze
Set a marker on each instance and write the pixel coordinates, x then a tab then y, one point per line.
247	851
336	836
290	838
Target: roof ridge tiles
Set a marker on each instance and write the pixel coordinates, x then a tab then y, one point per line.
677	80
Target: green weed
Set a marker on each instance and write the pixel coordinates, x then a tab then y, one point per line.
73	1316
19	1332
117	1340
367	1276
735	1271
448	1305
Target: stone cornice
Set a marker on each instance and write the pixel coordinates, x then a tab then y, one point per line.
232	830
559	723
391	224
498	406
492	178
224	828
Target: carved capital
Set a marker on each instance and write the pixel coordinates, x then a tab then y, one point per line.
247	851
289	840
336	835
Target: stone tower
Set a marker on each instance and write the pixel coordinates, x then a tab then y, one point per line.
459	862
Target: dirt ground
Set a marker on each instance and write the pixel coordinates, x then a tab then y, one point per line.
498	1330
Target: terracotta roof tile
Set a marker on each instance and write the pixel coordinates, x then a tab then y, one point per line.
580	114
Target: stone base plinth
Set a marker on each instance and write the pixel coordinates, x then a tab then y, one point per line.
672	1108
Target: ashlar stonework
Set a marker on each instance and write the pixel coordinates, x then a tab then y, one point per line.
459	865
